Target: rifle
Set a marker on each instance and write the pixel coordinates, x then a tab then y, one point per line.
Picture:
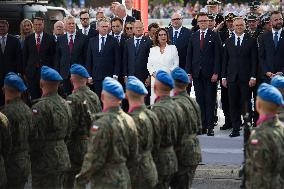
247	129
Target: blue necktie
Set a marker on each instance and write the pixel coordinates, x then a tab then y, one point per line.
275	39
137	46
175	37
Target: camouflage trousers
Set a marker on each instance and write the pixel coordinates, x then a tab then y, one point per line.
183	178
41	180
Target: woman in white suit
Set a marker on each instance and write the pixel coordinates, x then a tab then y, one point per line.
162	56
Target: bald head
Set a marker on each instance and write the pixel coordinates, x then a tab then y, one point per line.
176	20
58	28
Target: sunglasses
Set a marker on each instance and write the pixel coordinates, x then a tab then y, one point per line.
84	18
128	28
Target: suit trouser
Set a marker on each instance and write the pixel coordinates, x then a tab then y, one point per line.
97	87
205	92
34	86
225	104
238	99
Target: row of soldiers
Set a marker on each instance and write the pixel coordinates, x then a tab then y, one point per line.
58	140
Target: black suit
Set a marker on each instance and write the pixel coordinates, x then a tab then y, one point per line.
136	14
271	58
202	64
135	64
129	19
10	60
239	66
34	60
103	63
64	58
92	31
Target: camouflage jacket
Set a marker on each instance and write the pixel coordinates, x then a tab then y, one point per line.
265	156
165	159
281	114
188	147
51	125
113	142
20	119
145	170
5	146
84	103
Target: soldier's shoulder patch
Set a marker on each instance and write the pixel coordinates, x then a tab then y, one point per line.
34	111
94	128
254	141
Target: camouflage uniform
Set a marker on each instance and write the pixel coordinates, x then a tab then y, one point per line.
265	156
83	103
165	158
113	143
144	174
18	165
49	154
5	146
281	114
188	148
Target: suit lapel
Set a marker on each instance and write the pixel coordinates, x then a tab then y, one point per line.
197	39
244	42
206	40
280	39
171	34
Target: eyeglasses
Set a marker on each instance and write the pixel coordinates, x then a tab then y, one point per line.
84	18
174	19
202	21
128	28
162	34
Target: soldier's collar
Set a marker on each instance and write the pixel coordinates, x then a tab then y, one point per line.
112	109
13	100
180	93
49	94
132	109
79	88
159	98
264	118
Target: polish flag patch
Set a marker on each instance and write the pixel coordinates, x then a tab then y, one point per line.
35	112
254	141
95	128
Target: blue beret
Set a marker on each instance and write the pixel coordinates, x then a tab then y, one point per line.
49	74
270	94
278	82
14	81
113	87
135	85
165	78
180	75
79	70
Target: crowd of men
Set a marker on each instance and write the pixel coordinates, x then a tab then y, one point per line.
64	132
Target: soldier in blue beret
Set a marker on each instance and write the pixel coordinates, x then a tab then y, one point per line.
113	144
84	104
166	111
265	147
20	118
144	173
189	126
52	126
278	82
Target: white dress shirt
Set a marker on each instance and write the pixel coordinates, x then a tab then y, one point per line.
167	61
41	34
135	40
205	32
5	39
241	39
118	36
87	29
100	41
73	37
174	31
129	12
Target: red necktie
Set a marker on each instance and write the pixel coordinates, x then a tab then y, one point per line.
201	40
71	43
38	42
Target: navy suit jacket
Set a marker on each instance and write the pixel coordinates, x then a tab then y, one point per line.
11	59
181	44
104	63
129	19
121	44
239	63
136	65
205	61
64	58
271	59
92	31
32	59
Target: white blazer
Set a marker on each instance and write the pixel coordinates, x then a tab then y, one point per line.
167	61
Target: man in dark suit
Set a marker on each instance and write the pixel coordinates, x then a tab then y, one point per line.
131	11
39	50
71	48
239	72
10	55
271	48
135	57
180	36
120	11
203	64
103	56
224	35
87	28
